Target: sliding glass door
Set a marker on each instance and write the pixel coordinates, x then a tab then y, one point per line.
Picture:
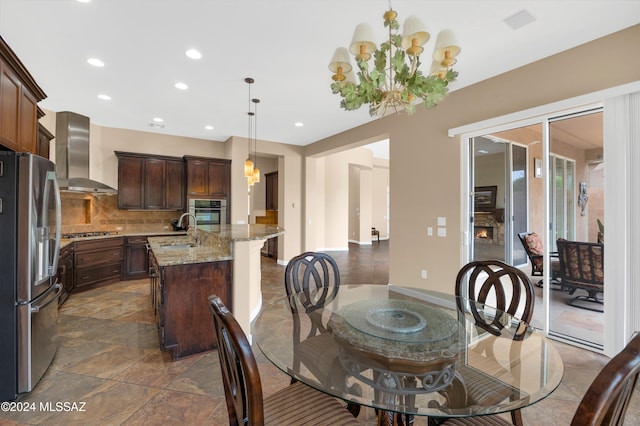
500	207
509	178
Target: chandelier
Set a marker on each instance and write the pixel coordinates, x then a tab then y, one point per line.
251	170
394	81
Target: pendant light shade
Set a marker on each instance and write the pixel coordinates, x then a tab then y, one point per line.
447	48
256	175
340	64
362	45
248	167
414	35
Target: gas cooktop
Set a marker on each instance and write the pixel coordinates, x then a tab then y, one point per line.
89	234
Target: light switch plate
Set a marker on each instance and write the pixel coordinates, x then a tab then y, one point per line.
442	232
442	221
430	231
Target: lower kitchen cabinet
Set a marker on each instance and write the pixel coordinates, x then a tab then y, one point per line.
136	263
65	272
179	294
98	261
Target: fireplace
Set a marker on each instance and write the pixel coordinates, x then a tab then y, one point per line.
487	229
483	233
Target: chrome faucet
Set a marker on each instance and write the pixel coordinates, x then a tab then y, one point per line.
195	225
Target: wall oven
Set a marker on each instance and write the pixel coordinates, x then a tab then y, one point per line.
209	212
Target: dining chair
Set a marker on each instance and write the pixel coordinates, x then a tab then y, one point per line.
316	276
509	290
296	404
604	403
607	399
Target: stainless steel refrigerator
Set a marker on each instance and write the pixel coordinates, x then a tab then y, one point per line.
29	250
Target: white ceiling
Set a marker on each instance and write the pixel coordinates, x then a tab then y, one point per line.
285	45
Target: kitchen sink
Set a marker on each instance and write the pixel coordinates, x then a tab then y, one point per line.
176	246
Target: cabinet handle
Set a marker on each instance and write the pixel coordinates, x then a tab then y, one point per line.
85	277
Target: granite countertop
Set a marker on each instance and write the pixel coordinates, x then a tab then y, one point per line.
181	250
243	232
216	243
66	241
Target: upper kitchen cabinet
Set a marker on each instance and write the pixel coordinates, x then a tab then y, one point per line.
44	141
19	97
208	177
150	182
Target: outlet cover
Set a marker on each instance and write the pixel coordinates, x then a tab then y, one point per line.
442	232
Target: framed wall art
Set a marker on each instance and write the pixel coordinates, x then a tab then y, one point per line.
485	198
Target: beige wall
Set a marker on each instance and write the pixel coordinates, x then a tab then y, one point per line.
416	203
379	194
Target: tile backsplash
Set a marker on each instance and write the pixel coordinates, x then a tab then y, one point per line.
88	212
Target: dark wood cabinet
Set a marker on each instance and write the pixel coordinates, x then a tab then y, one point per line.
19	97
28	122
271	190
65	272
150	182
175	185
179	294
130	182
136	258
44	141
197	177
208	177
98	261
10	106
219	179
154	183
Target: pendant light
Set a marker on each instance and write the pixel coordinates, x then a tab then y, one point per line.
248	164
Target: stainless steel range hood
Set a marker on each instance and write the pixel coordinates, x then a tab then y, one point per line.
72	155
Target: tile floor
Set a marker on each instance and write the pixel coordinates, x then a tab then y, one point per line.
109	360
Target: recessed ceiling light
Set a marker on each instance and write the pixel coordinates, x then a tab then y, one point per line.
208	127
104	97
483	151
298	124
95	62
181	86
83	1
158	119
193	54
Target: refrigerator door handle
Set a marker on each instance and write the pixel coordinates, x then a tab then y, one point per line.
58	288
51	177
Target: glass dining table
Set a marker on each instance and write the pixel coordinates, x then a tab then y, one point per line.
427	354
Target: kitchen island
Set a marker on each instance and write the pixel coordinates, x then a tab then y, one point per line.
215	259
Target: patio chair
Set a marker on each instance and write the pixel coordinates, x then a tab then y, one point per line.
532	244
582	268
293	405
